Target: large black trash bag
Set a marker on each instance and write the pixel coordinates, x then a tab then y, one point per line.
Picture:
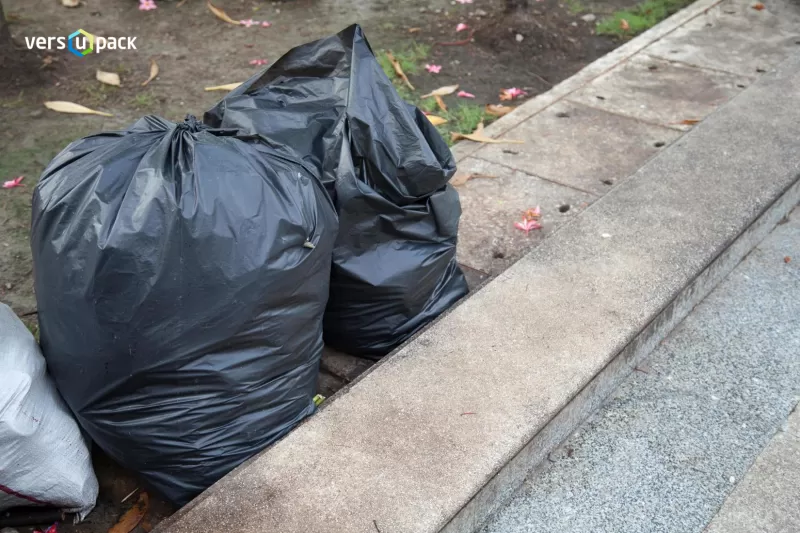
181	279
394	264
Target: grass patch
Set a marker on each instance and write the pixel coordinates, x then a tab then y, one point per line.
575	7
461	117
144	101
639	18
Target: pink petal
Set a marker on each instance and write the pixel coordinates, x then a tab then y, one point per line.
521	225
514	92
16	182
461	27
247	23
147	5
464	1
434	69
266	24
259	62
465	94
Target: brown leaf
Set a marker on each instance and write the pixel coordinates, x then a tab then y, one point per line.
414	30
462	177
399	70
153	72
787	259
623	24
227	87
498	110
759	6
436	121
440	103
69	107
47	61
441	91
146	525
109	78
481	138
220	14
70	3
132	516
689	121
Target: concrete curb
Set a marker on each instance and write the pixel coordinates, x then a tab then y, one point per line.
590	72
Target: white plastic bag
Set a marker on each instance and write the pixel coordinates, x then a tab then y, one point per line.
44	459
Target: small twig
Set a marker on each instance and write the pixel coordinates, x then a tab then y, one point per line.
29	313
458	43
375	523
129	495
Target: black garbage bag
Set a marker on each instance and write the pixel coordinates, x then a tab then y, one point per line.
394	263
181	278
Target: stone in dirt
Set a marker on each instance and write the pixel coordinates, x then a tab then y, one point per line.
589	17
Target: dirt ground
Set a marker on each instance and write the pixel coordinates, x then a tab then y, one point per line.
533	50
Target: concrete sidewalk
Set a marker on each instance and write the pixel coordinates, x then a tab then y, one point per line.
592	131
680	433
440	433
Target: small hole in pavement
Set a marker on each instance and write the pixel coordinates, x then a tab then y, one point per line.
797	42
673	51
741	85
607	182
562	115
659	144
708	24
499	255
600	97
760	70
563	208
652	67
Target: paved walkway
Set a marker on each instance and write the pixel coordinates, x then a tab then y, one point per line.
597	128
680	434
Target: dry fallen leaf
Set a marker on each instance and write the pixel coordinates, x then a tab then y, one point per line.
689	121
478	136
414	30
623	24
220	14
70	3
132	516
153	72
441	91
440	103
109	78
787	259
399	70
435	120
69	107
462	177
759	6
498	110
228	87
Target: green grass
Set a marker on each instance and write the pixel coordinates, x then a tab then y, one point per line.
461	117
575	7
639	18
144	101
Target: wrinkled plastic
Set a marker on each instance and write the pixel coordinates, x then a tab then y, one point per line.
181	278
44	460
394	264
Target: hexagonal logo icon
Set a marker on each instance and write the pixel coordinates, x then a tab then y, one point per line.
88	43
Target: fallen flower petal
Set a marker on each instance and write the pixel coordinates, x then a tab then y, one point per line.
147	5
259	62
510	94
433	69
527	225
16	182
461	27
249	22
624	25
266	24
465	94
758	7
464	1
